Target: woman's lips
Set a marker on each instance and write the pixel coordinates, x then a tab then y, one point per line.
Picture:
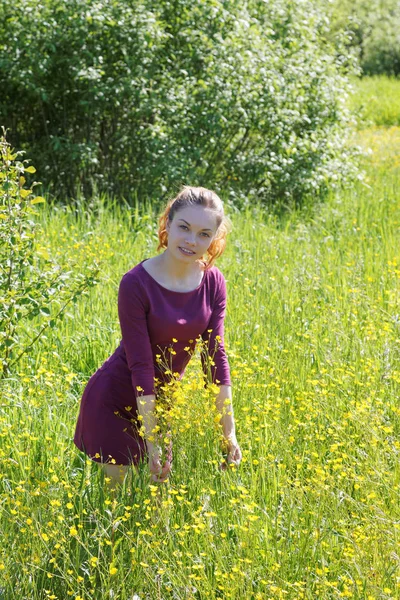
188	252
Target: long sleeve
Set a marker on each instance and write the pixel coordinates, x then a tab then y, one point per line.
135	335
214	339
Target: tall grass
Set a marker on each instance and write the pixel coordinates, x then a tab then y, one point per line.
312	334
376	101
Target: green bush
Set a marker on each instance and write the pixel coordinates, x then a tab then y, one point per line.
374	31
137	98
382	48
34	289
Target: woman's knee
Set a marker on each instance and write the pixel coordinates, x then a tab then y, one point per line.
115	472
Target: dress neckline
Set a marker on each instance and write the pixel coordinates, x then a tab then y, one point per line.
168	290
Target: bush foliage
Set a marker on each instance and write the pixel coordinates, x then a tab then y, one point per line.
34	289
136	98
374	28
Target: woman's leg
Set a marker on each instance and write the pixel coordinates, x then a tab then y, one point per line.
116	473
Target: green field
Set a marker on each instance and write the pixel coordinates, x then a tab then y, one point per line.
312	335
376	101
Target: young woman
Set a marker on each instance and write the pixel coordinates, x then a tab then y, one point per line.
177	295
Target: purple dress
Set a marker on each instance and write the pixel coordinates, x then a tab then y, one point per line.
150	316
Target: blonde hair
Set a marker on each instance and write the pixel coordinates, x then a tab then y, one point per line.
197	196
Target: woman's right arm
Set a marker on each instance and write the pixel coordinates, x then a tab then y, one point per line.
146	406
159	472
139	356
132	312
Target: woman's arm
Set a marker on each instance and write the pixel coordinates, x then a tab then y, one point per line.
132	309
132	316
213	356
216	367
146	405
224	406
159	472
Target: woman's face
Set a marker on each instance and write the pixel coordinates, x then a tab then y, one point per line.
192	229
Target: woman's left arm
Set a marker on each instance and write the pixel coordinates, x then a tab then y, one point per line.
224	406
217	370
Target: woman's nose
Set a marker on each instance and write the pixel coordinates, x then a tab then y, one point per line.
190	239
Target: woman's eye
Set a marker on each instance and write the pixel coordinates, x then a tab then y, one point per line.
185	227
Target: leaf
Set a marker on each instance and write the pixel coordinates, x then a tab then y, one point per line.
25	193
37	200
30	169
43	252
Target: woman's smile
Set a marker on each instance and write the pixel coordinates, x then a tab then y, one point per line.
186	251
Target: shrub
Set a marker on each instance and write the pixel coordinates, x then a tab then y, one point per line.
34	290
135	98
374	28
381	48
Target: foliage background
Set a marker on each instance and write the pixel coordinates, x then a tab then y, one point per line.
374	32
135	99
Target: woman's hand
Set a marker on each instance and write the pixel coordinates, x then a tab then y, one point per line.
234	453
159	473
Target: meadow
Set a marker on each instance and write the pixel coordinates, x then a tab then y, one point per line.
312	336
376	101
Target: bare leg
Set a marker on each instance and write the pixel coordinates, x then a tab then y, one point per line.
116	473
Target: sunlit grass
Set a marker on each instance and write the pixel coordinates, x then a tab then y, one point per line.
312	334
382	146
376	101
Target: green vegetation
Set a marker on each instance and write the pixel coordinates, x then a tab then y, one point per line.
376	101
136	98
372	29
313	510
32	283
